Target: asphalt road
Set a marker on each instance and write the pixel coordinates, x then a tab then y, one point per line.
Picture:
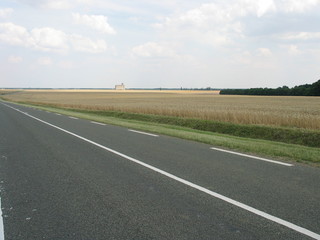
66	178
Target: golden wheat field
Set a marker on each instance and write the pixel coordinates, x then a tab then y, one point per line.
301	112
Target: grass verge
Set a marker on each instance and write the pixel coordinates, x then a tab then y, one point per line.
260	147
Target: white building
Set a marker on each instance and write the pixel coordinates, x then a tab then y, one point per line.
120	87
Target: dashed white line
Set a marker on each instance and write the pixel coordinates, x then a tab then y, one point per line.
58	114
190	184
254	157
102	124
149	134
73	117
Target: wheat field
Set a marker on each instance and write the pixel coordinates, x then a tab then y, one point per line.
286	111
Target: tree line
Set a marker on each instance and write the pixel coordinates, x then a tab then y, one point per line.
301	90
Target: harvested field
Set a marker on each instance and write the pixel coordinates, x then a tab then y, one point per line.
287	111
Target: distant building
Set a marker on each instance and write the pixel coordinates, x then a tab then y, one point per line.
120	87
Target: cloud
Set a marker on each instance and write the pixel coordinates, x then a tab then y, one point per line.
49	39
5	12
66	64
264	52
51	4
57	4
225	22
15	59
46	61
218	23
153	49
210	14
83	44
96	22
297	6
15	35
301	36
293	50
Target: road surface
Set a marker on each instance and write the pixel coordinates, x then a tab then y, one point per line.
68	178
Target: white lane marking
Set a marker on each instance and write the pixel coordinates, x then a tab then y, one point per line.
1	224
149	134
254	157
102	124
190	184
73	117
58	114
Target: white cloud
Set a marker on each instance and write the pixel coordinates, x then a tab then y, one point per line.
264	52
224	22
46	61
301	36
153	49
83	44
97	22
5	12
51	4
14	35
15	59
216	38
293	50
218	23
48	39
66	64
210	14
264	6
57	4
297	6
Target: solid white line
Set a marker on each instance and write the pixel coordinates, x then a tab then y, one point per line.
254	157
190	184
102	124
1	224
73	117
149	134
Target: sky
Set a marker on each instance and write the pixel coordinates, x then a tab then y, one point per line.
153	44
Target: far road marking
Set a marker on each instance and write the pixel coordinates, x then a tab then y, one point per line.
190	184
1	224
58	114
73	117
102	124
149	134
254	157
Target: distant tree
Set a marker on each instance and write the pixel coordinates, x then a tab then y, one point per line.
315	88
301	90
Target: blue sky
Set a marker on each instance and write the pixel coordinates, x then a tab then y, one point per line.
151	43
